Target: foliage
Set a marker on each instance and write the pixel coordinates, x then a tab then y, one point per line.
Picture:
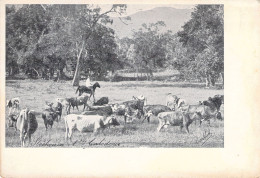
45	37
203	38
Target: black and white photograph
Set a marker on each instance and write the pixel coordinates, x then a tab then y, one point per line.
114	75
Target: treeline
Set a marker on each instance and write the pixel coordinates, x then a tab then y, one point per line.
197	51
43	39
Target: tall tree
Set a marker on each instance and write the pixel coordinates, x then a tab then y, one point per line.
77	23
203	37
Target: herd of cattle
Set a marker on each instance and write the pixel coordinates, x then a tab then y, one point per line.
100	115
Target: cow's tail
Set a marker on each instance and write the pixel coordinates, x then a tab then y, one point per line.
77	90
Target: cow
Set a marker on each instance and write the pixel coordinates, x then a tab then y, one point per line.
55	107
13	105
128	112
211	107
131	114
26	124
102	110
12	119
136	103
154	110
77	101
101	101
208	109
177	118
83	123
49	116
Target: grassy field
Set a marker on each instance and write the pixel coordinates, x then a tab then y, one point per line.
34	93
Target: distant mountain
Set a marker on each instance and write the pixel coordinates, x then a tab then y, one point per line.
173	18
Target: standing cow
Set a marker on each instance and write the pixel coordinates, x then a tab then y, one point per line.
26	124
176	118
83	123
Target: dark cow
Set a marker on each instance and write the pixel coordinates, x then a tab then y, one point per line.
101	110
101	101
56	107
77	101
154	110
26	124
12	119
135	104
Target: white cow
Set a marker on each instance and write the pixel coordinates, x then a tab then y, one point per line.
87	123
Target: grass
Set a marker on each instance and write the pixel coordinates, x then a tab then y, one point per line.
34	93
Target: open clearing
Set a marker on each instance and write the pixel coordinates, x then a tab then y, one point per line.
34	93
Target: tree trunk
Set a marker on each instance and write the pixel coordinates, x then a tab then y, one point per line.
76	77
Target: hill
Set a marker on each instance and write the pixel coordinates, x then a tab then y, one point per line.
173	18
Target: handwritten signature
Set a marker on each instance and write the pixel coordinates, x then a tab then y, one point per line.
93	142
206	135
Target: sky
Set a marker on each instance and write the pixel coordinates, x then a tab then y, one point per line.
133	8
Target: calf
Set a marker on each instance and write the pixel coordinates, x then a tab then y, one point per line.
177	118
101	101
87	123
13	105
26	124
154	110
77	101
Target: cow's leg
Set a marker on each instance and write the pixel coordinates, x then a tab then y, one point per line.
21	138
125	118
187	128
148	119
160	126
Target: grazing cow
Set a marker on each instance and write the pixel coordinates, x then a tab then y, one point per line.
176	118
87	123
154	110
101	101
26	124
90	90
77	101
13	105
102	110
